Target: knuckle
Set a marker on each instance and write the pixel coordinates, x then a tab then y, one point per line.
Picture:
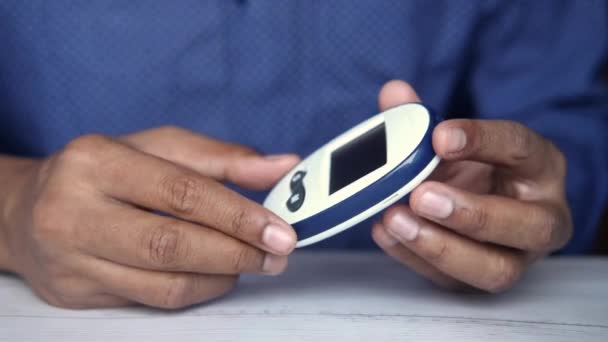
176	293
438	253
242	258
476	221
165	247
240	221
505	275
84	149
521	142
182	194
480	137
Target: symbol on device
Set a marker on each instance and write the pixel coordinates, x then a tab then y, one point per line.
296	180
298	193
294	198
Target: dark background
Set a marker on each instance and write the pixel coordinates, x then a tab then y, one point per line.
602	241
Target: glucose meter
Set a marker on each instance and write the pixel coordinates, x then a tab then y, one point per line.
357	174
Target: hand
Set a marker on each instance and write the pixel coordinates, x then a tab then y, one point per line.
84	229
495	204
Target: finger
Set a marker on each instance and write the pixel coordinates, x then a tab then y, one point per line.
484	266
504	221
504	143
160	289
469	175
140	239
394	93
409	259
153	183
220	160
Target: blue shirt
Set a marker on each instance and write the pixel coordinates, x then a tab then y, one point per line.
286	76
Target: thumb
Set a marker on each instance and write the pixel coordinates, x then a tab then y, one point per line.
222	161
394	93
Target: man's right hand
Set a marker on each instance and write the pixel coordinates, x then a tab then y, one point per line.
83	226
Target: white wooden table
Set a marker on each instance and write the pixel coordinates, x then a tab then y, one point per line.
341	297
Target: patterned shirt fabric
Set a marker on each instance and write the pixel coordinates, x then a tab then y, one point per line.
287	76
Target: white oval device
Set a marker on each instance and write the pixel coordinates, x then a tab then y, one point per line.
357	174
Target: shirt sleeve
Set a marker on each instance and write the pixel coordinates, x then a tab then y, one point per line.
538	62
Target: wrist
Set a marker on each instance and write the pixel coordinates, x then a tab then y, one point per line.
14	173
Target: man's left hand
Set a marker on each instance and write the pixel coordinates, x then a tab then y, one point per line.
494	205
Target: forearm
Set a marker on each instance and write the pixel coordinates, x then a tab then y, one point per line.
13	175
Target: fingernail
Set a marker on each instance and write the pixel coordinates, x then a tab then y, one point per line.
435	205
385	239
278	239
274	264
277	157
455	139
403	227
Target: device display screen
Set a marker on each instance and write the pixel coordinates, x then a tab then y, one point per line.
358	158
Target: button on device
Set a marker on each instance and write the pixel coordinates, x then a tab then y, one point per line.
296	199
296	180
298	193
